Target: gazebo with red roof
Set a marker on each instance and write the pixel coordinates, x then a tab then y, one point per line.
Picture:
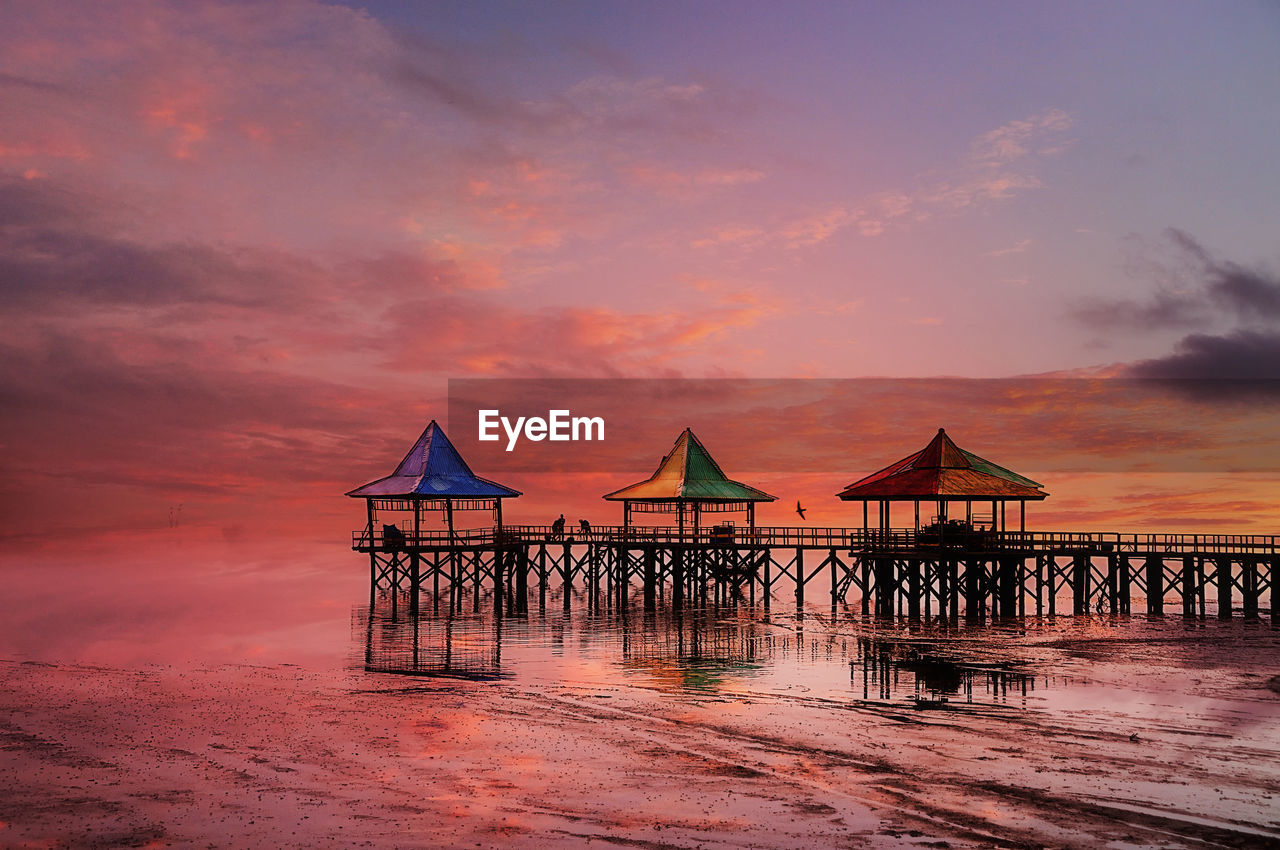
688	480
943	473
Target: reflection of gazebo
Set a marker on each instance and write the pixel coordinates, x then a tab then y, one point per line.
432	477
942	472
688	481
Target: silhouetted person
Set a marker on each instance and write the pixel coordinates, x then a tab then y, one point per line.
392	537
799	509
586	529
557	528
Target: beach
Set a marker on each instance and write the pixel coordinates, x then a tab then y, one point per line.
777	730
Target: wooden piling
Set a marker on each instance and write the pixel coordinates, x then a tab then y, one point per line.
499	580
1188	586
1249	588
1224	586
1125	591
650	579
799	569
1080	567
913	589
1155	585
677	578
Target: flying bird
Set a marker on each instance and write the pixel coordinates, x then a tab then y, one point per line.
799	510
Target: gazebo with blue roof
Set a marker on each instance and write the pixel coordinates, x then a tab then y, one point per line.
432	477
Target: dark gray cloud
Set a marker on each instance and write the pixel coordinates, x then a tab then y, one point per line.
1164	310
1194	290
1239	356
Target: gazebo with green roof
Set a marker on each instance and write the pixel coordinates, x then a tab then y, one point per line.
687	482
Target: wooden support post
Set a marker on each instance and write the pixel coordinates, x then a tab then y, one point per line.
542	577
477	578
799	567
1275	594
650	579
835	581
1249	591
944	588
1040	584
1155	584
1080	584
566	574
1224	587
1008	586
1126	584
1201	584
973	608
913	589
1188	586
766	588
1113	583
953	579
415	582
865	566
522	580
677	578
499	593
1051	566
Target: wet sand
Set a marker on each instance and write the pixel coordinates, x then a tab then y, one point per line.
282	756
1134	734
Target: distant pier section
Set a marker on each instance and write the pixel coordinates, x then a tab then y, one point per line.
688	536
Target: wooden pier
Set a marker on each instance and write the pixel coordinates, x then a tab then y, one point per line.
886	572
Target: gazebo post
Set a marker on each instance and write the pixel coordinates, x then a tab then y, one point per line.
626	517
751	515
497	514
448	514
1022	516
916	503
680	510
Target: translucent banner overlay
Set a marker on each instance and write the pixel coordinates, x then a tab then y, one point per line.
854	427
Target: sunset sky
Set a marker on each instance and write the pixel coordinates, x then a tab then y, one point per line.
244	246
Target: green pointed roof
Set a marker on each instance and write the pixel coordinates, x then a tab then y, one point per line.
689	473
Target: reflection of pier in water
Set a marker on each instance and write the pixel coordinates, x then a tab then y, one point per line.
681	649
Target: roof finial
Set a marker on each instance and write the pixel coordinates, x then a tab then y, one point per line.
942	430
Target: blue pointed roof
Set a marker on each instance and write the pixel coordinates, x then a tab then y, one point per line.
434	469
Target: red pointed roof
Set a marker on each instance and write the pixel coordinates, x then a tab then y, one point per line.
943	470
689	473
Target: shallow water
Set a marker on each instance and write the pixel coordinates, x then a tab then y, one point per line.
1044	663
253	704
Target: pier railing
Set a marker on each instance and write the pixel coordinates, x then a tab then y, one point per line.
1092	543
